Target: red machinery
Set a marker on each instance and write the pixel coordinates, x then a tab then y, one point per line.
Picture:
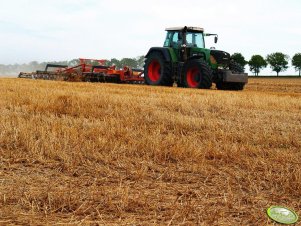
90	70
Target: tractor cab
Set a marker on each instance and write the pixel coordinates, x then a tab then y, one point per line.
178	36
188	42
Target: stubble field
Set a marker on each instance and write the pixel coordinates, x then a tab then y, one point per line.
109	154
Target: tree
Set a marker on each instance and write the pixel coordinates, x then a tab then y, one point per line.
73	62
239	58
15	69
130	62
116	62
33	65
256	64
140	61
278	62
296	62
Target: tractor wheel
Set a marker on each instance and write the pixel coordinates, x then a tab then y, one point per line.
235	68
197	74
180	84
157	71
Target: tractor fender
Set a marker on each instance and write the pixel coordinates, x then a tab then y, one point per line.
162	50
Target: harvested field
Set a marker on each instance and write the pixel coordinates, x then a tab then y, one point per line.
276	85
109	154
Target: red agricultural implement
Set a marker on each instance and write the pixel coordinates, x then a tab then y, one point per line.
88	70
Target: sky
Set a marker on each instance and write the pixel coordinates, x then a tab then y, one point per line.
55	30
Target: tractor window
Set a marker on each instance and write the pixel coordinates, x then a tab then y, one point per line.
173	39
177	39
195	40
168	39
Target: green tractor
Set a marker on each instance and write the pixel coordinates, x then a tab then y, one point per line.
185	60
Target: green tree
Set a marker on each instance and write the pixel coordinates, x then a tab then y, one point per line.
239	58
256	64
73	62
278	62
33	65
140	61
296	62
116	62
130	62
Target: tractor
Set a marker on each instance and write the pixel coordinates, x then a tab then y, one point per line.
184	60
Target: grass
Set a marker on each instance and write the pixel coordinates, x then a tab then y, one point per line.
109	154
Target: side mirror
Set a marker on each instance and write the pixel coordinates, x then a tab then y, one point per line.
215	36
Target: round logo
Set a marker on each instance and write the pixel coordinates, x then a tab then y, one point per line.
282	215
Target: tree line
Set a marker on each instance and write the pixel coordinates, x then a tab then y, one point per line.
14	69
278	62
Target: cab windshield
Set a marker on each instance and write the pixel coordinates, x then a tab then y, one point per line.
195	40
174	39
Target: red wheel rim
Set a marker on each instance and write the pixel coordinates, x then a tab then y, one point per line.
154	71
193	77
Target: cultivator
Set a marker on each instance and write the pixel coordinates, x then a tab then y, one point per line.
88	70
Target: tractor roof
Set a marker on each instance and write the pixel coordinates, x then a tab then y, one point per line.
195	29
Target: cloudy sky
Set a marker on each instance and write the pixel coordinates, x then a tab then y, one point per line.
53	30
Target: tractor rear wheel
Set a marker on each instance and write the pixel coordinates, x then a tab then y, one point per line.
197	74
157	71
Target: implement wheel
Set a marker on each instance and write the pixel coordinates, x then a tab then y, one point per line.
157	71
197	74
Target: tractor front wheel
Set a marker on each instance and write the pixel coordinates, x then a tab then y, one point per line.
197	74
157	71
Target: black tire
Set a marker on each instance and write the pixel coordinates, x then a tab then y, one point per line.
197	74
180	84
235	68
157	71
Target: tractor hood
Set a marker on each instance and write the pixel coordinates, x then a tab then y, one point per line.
221	57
